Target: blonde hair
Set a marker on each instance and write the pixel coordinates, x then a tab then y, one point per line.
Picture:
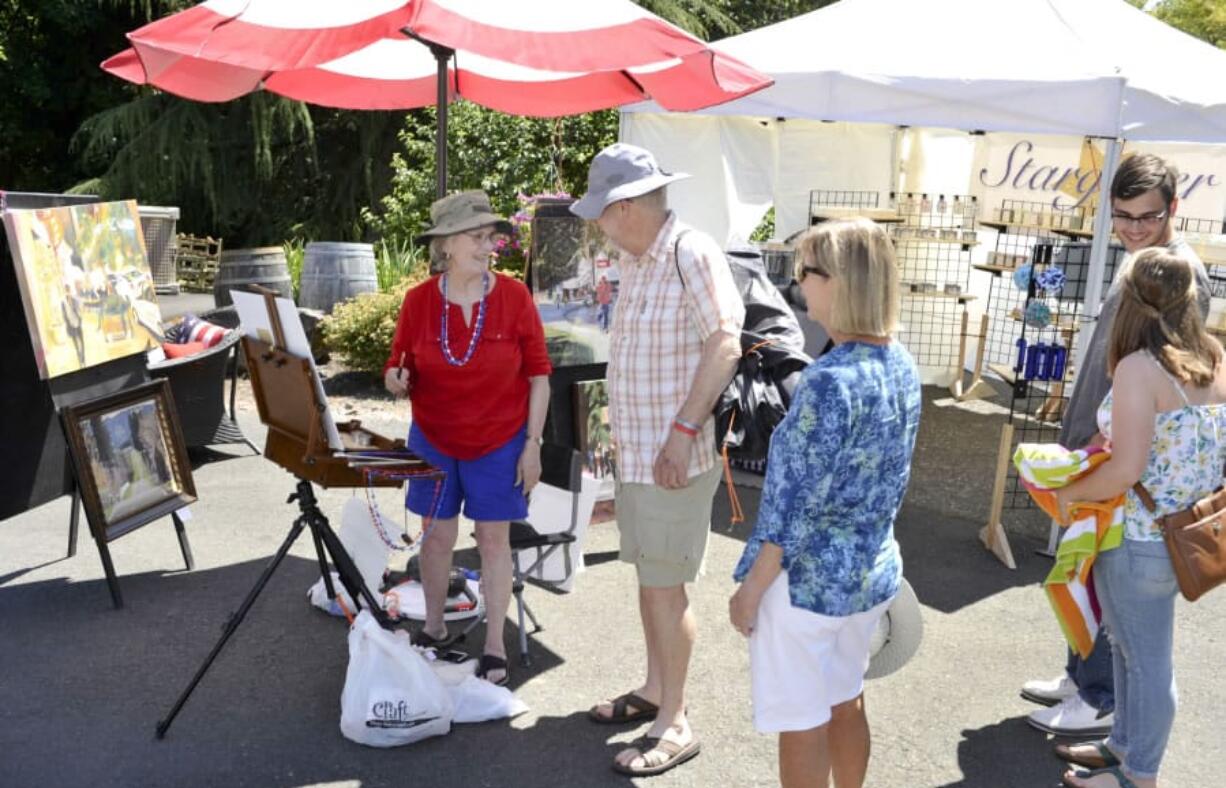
1159	313
859	257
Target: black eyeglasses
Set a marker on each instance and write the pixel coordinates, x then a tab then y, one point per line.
1150	220
806	270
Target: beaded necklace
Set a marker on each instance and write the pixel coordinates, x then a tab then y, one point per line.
472	342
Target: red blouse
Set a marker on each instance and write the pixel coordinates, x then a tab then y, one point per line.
471	410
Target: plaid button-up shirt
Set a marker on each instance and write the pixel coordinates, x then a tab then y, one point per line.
659	326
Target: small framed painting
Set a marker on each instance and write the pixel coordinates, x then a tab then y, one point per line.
131	463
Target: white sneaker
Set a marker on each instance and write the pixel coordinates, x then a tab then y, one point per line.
1051	691
1071	717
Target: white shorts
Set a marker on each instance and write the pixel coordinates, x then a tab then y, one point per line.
802	664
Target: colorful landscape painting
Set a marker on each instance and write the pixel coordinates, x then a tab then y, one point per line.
85	284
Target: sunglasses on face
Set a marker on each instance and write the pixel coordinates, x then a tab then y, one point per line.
805	270
1147	220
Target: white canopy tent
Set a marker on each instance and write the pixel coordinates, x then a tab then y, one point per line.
1079	67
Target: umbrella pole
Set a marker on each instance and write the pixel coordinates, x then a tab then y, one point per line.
441	55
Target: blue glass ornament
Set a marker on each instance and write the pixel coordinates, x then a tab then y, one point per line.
1050	280
1021	277
1038	314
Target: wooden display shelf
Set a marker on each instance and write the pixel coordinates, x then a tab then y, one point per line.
1068	327
963	298
1004	371
1209	252
965	244
994	269
1065	231
822	213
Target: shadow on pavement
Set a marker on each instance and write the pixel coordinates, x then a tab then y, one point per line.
1006	754
111	675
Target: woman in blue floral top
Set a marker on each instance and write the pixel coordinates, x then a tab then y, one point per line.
822	566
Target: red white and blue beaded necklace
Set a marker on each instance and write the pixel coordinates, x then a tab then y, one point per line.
476	337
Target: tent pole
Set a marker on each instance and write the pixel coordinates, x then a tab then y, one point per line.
1098	250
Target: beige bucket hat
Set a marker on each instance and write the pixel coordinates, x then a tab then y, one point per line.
462	211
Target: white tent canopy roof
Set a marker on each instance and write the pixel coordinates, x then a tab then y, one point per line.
1096	67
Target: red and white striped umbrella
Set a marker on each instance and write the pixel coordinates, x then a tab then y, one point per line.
529	57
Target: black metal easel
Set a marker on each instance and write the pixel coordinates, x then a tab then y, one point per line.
327	544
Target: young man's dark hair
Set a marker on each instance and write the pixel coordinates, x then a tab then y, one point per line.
1142	172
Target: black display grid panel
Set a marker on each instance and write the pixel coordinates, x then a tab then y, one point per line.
841	198
933	243
1036	406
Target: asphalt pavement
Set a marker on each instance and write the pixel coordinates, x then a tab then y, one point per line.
83	685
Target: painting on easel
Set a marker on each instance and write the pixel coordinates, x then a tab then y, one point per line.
131	463
575	281
85	283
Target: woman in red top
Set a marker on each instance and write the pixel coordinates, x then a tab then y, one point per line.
469	352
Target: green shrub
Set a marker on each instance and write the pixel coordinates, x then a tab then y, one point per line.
398	259
360	330
295	252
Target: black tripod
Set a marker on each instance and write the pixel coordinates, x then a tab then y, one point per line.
326	544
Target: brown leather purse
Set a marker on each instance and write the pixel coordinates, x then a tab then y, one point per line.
1196	539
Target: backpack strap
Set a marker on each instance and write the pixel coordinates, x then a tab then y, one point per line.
677	262
737	514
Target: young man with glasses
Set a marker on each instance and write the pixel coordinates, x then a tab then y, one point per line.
1143	205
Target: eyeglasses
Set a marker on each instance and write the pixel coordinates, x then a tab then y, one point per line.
805	270
483	236
1148	220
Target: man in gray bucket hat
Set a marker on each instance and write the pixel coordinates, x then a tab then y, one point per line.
674	344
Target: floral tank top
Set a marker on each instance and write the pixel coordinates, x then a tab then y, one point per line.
1185	463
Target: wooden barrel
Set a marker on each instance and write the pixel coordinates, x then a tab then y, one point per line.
334	272
241	268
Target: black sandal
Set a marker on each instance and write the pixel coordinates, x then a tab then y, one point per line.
424	639
490	662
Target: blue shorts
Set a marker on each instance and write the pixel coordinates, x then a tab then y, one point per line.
485	485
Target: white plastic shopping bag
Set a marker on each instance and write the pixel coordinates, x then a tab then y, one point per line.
318	596
361	540
474	699
392	695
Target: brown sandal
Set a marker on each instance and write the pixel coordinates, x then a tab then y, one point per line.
1103	759
622	713
677	755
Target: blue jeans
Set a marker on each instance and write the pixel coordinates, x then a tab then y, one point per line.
1136	588
1094	676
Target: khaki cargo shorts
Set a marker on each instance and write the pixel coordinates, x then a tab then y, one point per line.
664	532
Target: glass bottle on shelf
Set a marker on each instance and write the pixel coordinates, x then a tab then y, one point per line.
942	205
925	204
958	207
893	203
972	208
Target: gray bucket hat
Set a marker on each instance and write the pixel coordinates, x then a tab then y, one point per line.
462	211
619	172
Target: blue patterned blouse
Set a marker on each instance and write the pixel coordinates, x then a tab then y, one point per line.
835	477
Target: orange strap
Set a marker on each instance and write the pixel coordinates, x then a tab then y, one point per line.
734	502
344	609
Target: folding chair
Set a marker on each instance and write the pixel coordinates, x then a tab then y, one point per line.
561	467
